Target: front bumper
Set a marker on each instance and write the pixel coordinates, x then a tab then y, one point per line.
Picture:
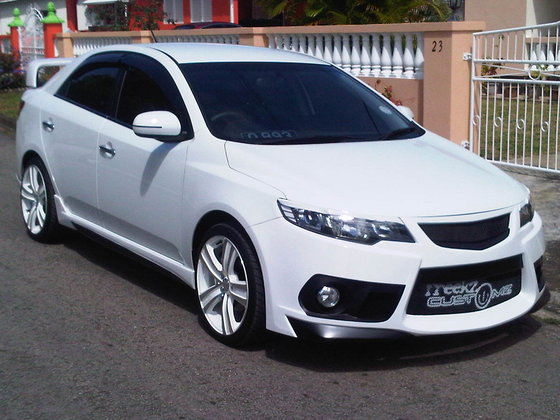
291	256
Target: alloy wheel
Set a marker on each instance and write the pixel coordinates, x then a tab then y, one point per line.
222	286
34	199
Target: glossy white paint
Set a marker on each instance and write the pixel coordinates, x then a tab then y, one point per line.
149	196
375	175
156	124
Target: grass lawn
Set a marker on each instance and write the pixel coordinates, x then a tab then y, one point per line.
9	104
521	130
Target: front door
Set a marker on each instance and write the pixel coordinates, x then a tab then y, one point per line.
140	180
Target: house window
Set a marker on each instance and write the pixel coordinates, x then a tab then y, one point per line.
173	11
201	10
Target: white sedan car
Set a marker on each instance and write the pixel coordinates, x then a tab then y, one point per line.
291	196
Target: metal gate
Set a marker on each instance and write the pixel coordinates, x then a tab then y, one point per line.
32	43
515	101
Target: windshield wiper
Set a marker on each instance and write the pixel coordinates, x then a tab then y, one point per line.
396	134
320	139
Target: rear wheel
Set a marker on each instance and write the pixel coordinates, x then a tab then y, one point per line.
229	286
37	203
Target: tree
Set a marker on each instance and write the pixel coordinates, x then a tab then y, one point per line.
339	12
145	14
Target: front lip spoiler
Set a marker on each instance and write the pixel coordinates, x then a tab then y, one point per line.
309	330
542	301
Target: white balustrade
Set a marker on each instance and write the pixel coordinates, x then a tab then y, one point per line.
355	58
386	67
337	50
212	39
397	58
319	47
302	44
419	56
408	57
365	57
375	55
397	55
550	57
346	63
328	51
83	45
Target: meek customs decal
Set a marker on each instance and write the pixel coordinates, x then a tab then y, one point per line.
466	288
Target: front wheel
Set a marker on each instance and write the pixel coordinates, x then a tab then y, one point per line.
229	286
37	203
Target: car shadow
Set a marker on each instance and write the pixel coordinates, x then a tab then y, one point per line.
135	270
323	356
373	355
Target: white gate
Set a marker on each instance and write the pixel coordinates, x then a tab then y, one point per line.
32	43
515	100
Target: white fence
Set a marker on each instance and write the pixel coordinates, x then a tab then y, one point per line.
515	96
398	55
83	45
186	37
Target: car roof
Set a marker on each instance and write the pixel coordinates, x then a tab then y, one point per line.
215	53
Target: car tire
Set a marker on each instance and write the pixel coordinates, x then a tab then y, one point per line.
37	203
231	294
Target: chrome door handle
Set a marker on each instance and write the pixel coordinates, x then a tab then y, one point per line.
48	125
108	149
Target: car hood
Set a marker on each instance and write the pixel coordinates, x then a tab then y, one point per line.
427	176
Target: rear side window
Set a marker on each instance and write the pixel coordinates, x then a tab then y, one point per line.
92	89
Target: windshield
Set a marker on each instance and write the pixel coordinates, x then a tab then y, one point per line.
291	103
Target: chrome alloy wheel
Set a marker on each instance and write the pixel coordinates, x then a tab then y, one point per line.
33	199
221	280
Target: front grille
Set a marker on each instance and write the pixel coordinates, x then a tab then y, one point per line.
465	288
470	235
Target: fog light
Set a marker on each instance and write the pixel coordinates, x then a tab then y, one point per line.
328	296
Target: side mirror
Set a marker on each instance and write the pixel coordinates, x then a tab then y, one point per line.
161	125
406	111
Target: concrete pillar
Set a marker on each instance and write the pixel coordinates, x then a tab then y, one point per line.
65	45
52	25
447	80
14	25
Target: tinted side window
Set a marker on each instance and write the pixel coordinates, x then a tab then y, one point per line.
140	93
148	86
93	89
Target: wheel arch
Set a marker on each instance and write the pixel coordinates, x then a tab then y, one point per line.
27	156
210	219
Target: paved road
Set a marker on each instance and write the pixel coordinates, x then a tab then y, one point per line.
87	334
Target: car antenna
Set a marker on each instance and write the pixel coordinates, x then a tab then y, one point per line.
153	36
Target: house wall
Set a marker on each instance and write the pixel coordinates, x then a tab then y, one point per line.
542	11
498	14
6	9
503	14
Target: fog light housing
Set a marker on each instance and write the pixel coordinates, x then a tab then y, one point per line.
328	296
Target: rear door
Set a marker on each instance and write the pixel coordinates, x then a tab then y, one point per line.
70	124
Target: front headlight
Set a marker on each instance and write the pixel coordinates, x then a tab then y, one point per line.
526	213
346	227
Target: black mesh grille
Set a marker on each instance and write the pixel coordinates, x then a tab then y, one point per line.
471	235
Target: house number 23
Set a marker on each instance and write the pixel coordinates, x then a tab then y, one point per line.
437	46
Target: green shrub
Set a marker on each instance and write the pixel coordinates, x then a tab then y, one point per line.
11	74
